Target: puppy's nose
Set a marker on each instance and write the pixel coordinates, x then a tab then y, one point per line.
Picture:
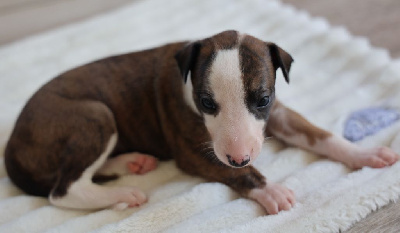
235	163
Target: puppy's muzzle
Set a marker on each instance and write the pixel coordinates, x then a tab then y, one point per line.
235	163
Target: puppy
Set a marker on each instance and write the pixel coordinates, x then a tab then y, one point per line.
207	104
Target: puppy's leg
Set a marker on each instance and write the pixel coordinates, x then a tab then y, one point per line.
247	181
130	163
84	194
92	136
292	128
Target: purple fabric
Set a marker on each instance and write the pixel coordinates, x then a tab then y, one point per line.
368	122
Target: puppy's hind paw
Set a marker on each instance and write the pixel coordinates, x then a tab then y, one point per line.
142	164
129	197
130	163
120	206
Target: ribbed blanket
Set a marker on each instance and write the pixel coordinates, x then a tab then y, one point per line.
334	74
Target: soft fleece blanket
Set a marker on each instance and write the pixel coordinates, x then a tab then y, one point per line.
333	75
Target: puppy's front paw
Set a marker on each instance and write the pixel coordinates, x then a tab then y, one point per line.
273	197
376	158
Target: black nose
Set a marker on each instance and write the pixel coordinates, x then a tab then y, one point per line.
235	163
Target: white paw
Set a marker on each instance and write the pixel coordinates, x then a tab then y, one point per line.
120	206
375	157
129	197
130	163
142	164
274	197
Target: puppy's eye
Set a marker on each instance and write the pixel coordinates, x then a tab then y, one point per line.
263	102
208	103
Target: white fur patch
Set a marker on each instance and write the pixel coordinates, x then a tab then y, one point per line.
188	94
235	131
83	194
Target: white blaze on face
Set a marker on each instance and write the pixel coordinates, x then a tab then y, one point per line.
234	130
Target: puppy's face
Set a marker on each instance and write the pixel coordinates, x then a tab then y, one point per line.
231	84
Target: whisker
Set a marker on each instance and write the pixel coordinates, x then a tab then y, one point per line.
207	150
206	144
267	138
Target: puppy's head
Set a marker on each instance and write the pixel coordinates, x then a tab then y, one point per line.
230	81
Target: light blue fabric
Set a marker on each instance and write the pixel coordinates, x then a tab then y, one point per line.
368	122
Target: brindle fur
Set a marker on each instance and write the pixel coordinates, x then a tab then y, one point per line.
65	126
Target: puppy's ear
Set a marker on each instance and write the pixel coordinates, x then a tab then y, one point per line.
280	59
187	57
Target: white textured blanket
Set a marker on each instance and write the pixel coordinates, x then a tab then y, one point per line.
333	75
